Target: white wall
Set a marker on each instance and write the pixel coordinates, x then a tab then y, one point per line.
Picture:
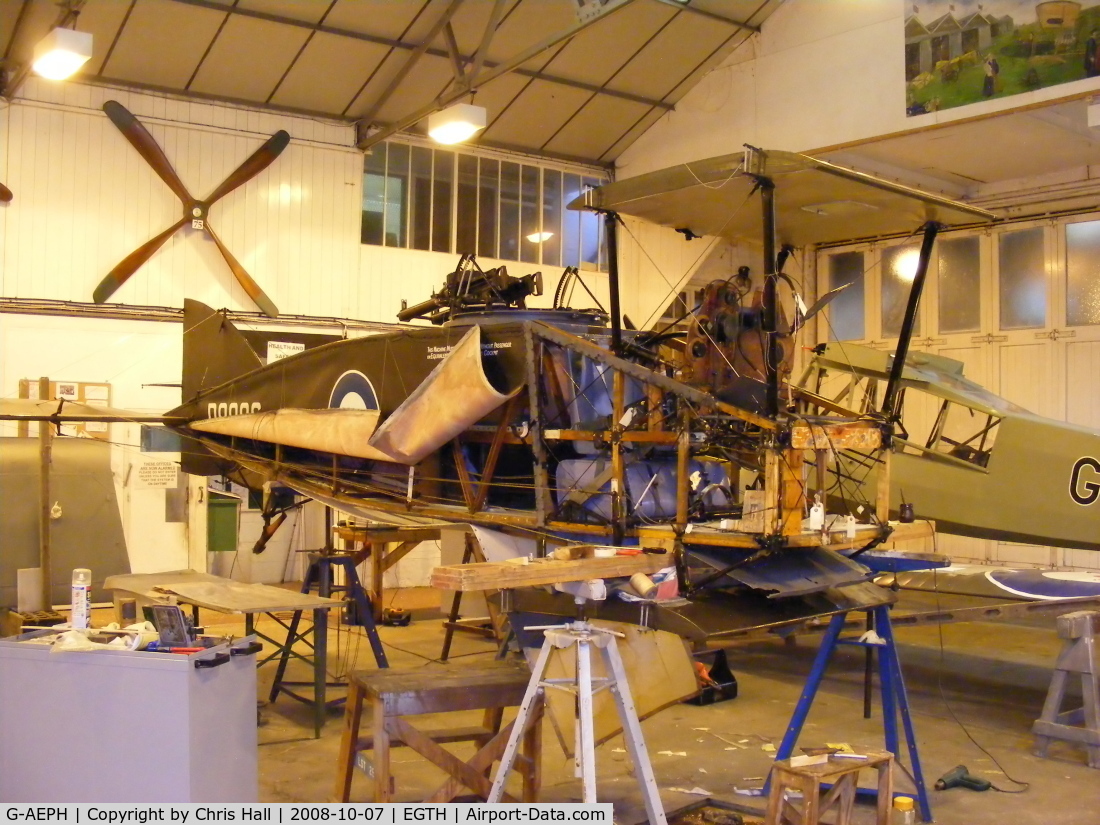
819	74
85	199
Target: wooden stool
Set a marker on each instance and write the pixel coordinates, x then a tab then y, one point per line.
843	774
394	694
1081	630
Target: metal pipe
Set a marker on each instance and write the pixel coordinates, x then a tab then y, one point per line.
771	314
609	221
931	229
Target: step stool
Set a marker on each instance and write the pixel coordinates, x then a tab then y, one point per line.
842	773
1081	630
395	694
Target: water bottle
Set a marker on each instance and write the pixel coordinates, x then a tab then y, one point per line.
82	598
903	813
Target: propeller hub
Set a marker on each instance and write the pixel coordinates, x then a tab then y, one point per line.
196	210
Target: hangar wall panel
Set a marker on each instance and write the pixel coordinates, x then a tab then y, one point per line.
818	75
85	199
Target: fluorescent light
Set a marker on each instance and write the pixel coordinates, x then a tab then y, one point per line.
456	123
61	52
539	237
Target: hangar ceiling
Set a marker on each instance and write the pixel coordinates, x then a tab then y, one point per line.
577	79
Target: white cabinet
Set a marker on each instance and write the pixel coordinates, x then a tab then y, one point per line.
120	726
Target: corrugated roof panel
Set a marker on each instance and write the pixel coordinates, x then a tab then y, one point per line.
665	62
596	127
328	74
384	18
598	52
535	115
308	11
162	43
248	58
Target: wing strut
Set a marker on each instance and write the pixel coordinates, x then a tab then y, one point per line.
609	221
931	229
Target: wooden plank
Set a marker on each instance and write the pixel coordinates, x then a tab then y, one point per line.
854	435
640	436
714	537
501	575
387	533
792	497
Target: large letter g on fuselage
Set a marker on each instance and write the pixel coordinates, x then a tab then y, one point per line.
1084	481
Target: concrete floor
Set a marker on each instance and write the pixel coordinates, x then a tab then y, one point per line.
969	684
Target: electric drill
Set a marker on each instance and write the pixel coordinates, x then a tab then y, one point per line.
959	777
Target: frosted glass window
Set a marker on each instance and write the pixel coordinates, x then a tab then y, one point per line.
1021	273
467	207
443	173
397	195
960	296
1083	273
509	211
551	216
529	217
421	218
846	310
424	198
899	267
487	199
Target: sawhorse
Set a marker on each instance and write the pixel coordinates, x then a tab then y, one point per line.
894	697
319	576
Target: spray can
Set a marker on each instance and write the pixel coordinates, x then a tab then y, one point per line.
82	597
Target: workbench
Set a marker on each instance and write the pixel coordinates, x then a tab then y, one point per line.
237	598
374	546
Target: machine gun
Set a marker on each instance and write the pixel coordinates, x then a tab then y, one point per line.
470	288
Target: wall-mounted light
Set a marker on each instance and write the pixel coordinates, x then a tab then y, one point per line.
61	52
539	237
456	123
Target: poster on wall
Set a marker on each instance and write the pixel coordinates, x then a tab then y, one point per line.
963	52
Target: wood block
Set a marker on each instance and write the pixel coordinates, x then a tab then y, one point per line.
1078	624
501	575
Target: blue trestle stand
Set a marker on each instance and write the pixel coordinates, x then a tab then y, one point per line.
894	698
319	578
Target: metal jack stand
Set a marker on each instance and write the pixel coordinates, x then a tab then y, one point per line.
319	577
584	636
894	698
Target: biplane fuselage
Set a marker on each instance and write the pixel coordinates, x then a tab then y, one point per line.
975	463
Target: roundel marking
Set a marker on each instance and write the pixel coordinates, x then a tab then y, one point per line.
353	391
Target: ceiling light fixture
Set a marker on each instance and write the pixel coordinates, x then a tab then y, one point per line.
539	237
456	123
61	52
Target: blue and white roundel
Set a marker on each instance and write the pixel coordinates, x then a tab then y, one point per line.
353	391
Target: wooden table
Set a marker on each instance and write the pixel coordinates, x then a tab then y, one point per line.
375	542
394	694
228	596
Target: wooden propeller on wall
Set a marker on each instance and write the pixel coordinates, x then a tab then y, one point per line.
5	194
194	211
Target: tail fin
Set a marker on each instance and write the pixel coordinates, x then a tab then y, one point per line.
214	351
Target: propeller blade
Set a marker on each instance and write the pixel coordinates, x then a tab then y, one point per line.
132	262
251	287
148	148
5	194
822	302
256	163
